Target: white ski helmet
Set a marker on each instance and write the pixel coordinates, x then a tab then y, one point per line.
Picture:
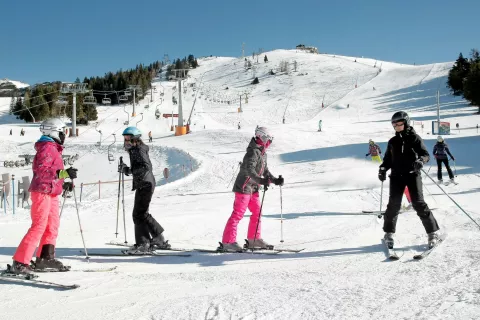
439	139
54	128
263	134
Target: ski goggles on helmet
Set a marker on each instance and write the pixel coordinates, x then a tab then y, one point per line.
398	123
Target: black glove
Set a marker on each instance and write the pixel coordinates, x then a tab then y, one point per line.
265	182
72	173
382	174
67	186
453	159
278	181
123	168
418	165
367	154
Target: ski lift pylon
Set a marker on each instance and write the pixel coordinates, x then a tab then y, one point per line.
111	157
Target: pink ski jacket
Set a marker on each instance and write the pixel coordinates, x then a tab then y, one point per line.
46	163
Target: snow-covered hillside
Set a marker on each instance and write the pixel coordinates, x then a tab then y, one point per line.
343	272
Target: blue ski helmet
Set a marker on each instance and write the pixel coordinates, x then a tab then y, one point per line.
132	131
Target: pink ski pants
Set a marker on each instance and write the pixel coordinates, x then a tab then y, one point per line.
44	229
242	202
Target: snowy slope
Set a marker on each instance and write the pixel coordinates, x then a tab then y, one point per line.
341	274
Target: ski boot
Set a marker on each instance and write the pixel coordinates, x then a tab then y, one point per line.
138	249
388	238
440	181
258	244
20	268
159	243
452	181
432	239
229	247
47	261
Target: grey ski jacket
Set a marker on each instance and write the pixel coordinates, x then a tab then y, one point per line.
252	170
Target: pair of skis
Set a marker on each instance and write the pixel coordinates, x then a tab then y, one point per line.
393	255
9	275
162	252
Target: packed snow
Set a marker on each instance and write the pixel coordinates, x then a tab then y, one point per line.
343	273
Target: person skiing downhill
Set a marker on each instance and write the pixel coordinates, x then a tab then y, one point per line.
440	151
253	173
148	232
374	151
47	184
320	125
405	156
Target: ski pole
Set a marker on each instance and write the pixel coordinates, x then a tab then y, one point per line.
265	188
381	198
63	204
234	174
281	214
453	200
123	204
118	198
79	223
455	167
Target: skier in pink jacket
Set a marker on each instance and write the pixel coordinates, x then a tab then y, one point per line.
47	184
253	173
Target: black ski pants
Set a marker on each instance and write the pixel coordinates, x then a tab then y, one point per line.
146	227
415	186
439	165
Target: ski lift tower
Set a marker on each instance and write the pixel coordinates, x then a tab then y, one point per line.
180	74
74	88
133	88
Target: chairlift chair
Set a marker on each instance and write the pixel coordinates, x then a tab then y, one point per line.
106	100
89	100
128	93
123	97
62	100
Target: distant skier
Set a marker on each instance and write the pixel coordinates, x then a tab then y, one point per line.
150	139
406	154
320	125
239	126
253	173
440	151
47	184
11	132
22	132
148	232
374	151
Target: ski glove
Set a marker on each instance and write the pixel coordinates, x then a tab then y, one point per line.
265	182
67	186
418	165
69	173
123	168
382	174
367	154
279	181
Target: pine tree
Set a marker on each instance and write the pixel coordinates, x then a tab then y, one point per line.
471	85
457	75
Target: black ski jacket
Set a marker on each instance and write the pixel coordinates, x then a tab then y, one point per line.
141	167
403	150
253	167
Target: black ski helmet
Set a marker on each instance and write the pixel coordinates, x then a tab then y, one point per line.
401	116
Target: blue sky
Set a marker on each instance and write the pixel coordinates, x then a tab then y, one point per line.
61	40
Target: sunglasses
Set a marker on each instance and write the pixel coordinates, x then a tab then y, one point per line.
398	123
